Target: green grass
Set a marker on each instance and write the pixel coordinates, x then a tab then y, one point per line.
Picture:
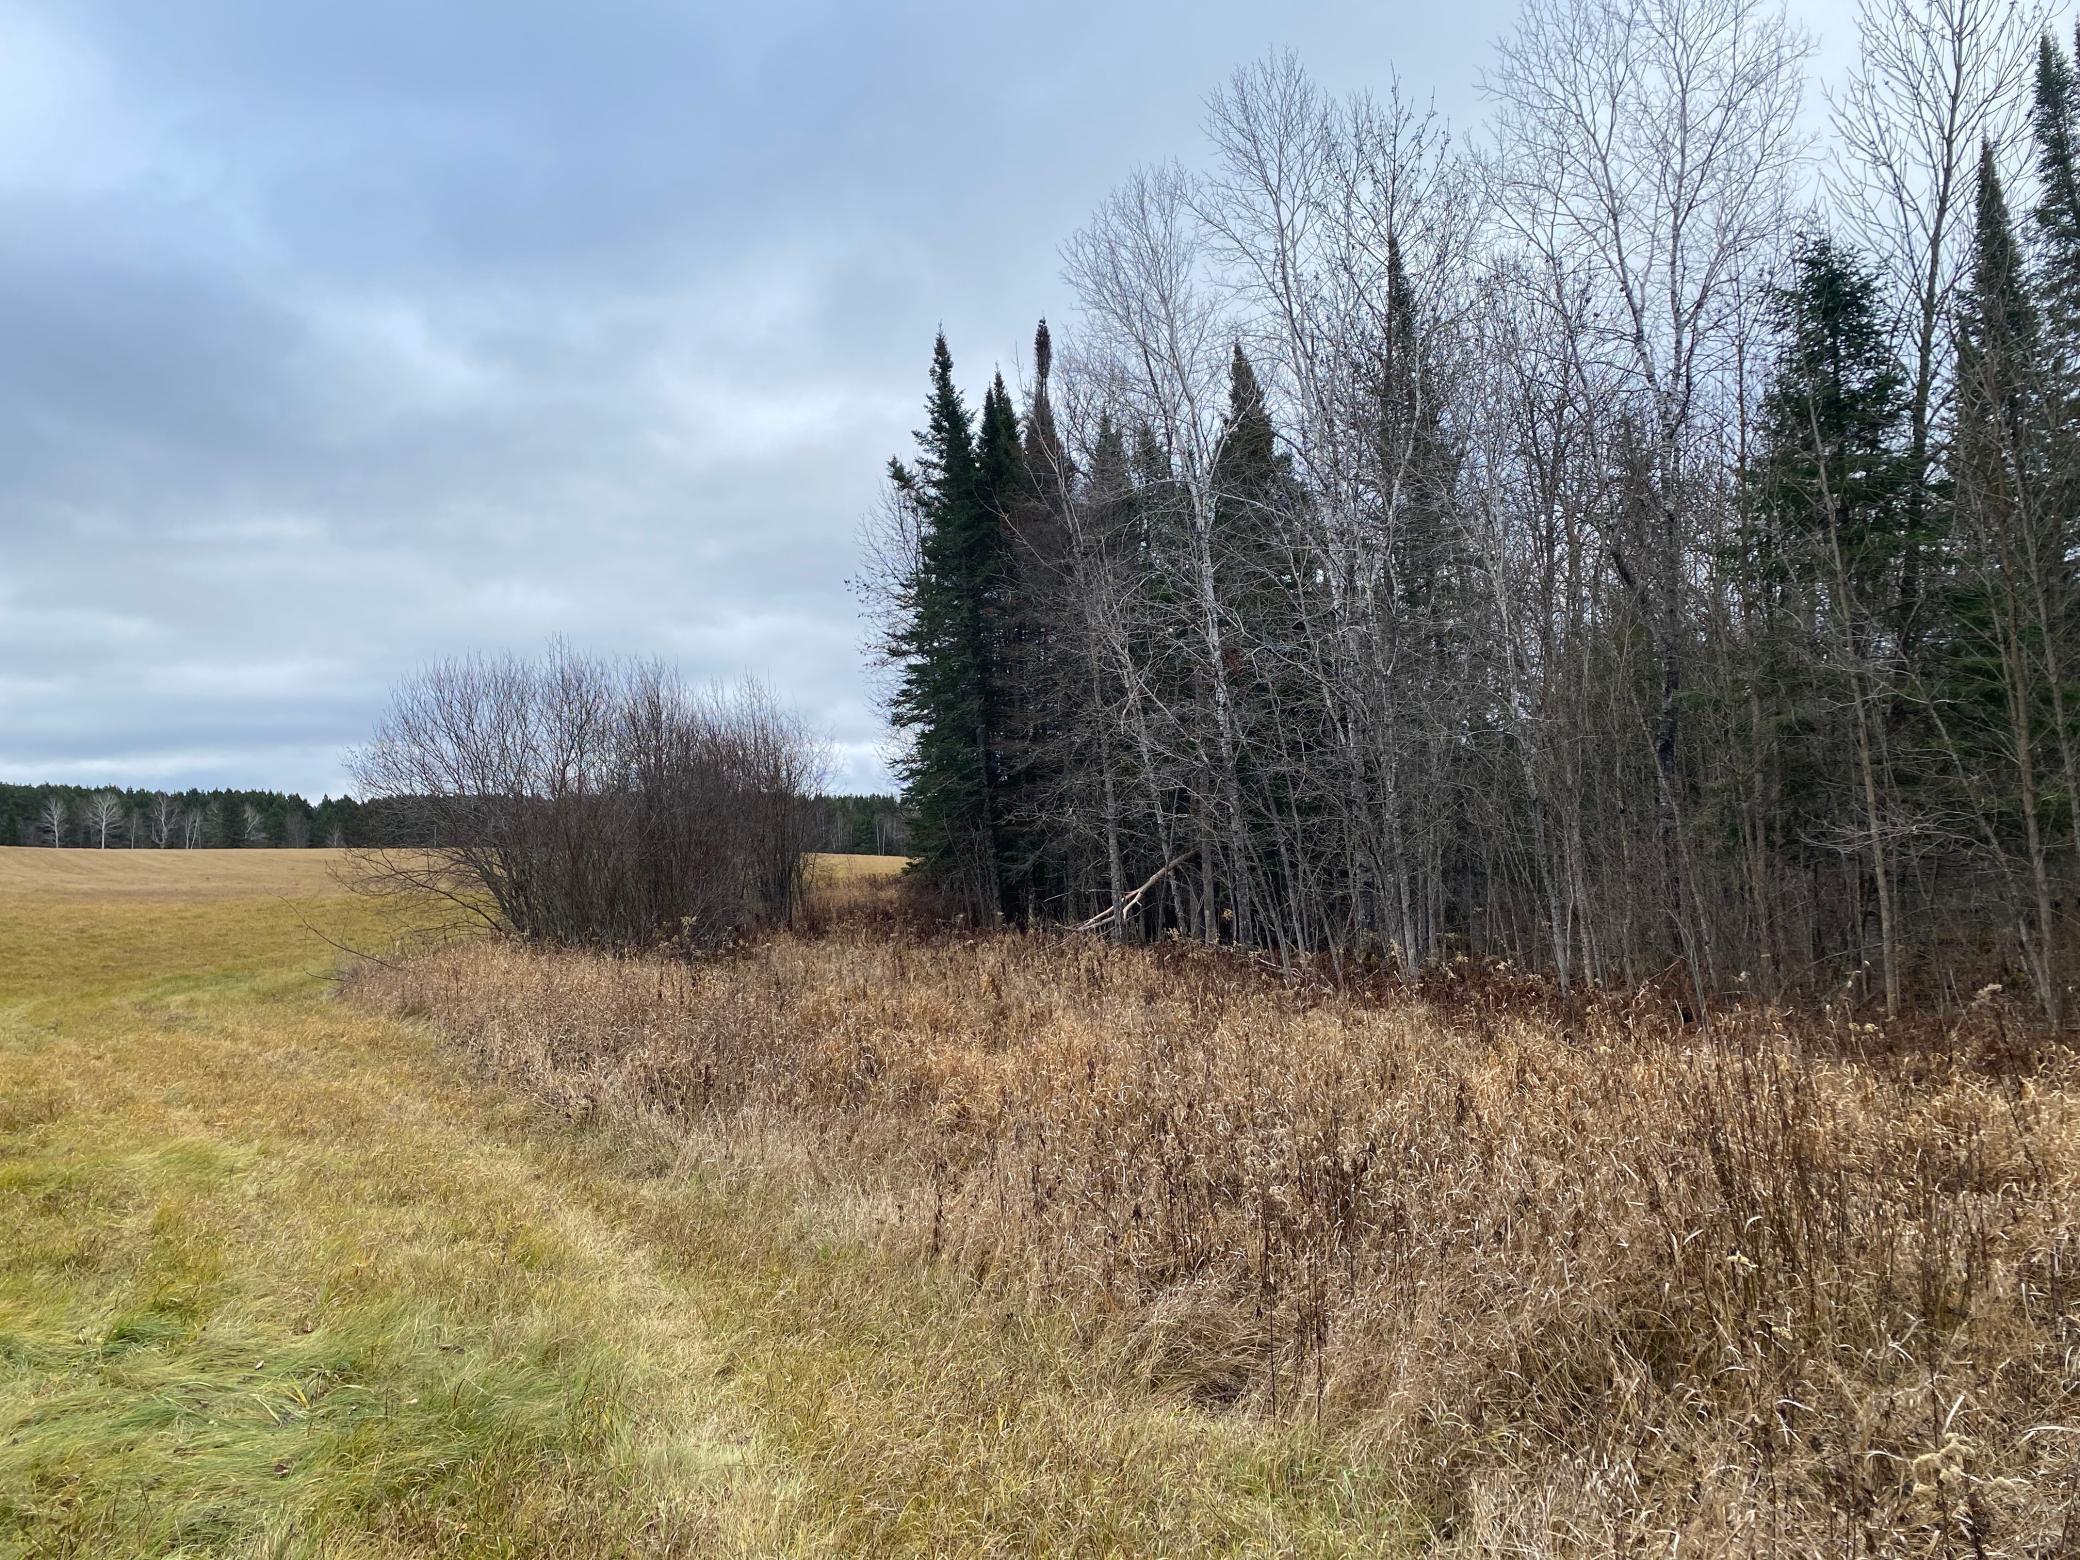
274	1280
278	1278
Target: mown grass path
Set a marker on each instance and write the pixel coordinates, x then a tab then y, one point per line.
280	1278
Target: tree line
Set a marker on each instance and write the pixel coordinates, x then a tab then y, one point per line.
1639	539
116	817
127	818
860	825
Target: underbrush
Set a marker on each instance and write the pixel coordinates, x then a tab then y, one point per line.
1580	1276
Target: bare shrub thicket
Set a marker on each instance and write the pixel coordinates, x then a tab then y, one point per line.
1583	1279
582	801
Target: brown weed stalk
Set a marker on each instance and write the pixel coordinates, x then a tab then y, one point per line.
1586	1278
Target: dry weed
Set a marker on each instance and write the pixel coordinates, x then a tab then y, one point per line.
1586	1278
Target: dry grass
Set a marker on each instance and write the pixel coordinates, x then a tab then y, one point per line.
1561	1279
185	875
845	886
845	869
278	1277
274	1280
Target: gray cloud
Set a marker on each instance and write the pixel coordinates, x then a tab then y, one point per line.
336	338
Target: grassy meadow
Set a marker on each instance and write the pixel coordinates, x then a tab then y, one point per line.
876	1239
282	1274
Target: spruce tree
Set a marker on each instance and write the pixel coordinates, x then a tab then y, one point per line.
2012	619
1253	494
1249	444
2055	120
1832	470
1004	492
2056	123
1036	684
999	454
947	694
1257	561
1824	546
1999	370
1415	462
1044	455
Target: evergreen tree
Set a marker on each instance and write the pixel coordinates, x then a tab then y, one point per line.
1259	564
1416	466
335	821
1249	443
1004	496
2012	620
1249	472
1997	366
2056	122
2055	119
1044	455
1831	478
1036	683
947	695
1253	495
1828	519
1999	447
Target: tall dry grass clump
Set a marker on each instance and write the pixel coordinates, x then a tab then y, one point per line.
1584	1277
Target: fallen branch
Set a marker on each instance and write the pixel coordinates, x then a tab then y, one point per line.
1118	912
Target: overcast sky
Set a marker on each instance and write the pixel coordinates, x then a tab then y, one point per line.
338	337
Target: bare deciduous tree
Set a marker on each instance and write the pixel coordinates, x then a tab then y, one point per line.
51	820
163	819
1647	149
103	816
1934	80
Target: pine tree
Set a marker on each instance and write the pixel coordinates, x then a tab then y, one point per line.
1827	533
2012	619
1831	475
2055	119
947	696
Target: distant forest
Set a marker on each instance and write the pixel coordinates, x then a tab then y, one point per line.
115	817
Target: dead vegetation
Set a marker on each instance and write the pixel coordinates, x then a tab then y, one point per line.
1582	1277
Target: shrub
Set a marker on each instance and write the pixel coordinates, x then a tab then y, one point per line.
580	801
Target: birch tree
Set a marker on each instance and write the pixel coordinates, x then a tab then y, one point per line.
52	820
1647	147
103	817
